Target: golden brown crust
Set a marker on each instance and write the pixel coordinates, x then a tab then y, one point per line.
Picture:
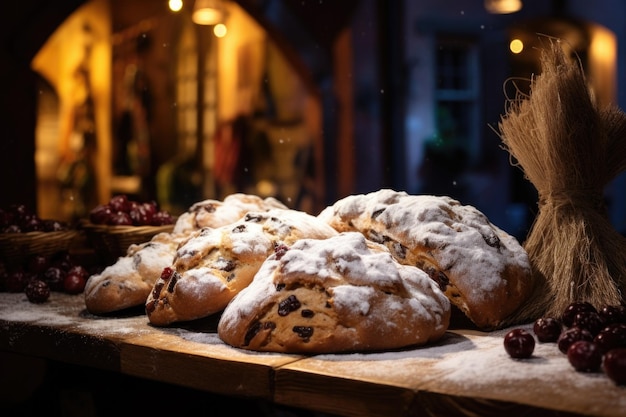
213	265
129	280
336	295
216	213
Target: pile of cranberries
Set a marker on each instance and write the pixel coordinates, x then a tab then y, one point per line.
593	339
17	218
122	211
40	275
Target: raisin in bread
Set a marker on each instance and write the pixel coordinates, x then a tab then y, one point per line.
216	213
215	264
341	294
128	281
483	270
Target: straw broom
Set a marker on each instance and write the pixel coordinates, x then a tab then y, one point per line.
570	150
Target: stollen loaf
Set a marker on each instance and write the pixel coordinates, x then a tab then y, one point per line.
340	294
483	270
215	264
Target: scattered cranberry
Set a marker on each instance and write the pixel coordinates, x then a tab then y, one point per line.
74	283
37	264
16	281
584	356
614	365
613	314
37	291
100	214
119	203
572	335
611	337
574	308
62	260
55	278
79	270
519	344
588	320
547	329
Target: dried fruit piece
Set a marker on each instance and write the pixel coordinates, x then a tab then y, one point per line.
288	305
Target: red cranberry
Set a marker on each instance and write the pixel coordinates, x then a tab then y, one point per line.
141	214
574	308
120	218
584	356
572	335
74	283
519	343
37	291
32	223
54	226
55	278
119	203
12	228
161	218
62	260
100	214
615	365
37	264
588	320
613	314
79	270
16	281
611	337
547	329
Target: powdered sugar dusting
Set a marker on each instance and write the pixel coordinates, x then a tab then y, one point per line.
473	364
68	312
353	271
488	268
462	235
215	213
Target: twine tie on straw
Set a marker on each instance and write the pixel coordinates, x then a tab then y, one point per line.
584	199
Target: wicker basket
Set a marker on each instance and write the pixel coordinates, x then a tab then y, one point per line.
15	248
111	242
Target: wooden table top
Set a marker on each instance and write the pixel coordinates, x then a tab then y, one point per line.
466	372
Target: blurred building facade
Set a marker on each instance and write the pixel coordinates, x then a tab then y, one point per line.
306	101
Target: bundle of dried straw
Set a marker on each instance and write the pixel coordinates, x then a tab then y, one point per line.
570	150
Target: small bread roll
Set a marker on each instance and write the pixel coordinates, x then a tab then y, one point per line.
128	281
216	213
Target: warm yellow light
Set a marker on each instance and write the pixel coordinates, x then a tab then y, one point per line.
503	6
516	46
220	30
207	12
175	5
